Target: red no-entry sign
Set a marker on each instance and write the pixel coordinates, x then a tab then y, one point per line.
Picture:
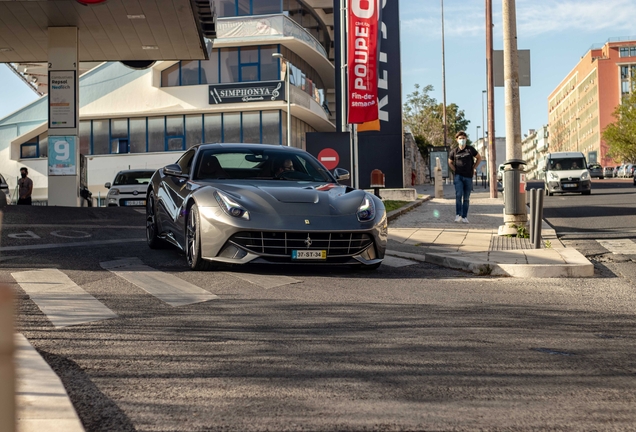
329	158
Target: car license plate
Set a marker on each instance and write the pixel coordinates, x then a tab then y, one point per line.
569	185
309	254
135	203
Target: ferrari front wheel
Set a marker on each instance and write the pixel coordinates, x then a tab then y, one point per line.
193	241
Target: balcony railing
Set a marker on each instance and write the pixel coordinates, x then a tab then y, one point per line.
266	26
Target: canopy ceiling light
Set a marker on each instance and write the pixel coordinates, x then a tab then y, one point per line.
91	2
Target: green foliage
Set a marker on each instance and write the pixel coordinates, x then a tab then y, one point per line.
391	205
620	136
424	116
548	244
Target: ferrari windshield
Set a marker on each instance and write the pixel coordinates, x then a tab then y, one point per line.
269	163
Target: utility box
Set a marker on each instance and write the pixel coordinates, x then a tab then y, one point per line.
377	181
514	181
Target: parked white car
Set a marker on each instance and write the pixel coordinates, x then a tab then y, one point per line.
129	188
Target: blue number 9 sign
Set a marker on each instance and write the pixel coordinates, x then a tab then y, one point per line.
62	155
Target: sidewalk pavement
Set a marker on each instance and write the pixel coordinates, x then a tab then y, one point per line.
425	231
41	400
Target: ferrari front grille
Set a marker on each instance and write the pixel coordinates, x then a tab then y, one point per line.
281	244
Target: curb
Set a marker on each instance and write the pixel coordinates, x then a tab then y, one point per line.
391	216
578	266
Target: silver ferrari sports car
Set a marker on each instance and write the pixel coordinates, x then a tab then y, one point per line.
259	203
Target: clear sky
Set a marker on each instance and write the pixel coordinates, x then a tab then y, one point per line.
557	33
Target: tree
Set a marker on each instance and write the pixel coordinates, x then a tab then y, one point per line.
423	115
620	136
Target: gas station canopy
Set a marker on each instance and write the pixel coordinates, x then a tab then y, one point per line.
110	30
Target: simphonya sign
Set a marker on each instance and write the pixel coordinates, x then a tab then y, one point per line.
362	60
247	92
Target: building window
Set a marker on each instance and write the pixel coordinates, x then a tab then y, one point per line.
170	76
194	129
101	137
138	135
175	133
229	8
85	137
119	136
156	134
623	52
226	65
30	149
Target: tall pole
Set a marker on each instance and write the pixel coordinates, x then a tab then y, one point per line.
514	215
287	93
443	79
511	81
492	150
483	130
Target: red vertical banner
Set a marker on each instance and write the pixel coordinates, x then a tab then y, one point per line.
362	60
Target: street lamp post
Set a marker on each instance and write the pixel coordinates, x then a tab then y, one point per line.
477	134
287	94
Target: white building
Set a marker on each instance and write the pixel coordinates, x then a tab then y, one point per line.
534	149
146	118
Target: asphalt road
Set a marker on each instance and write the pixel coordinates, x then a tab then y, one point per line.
610	211
404	348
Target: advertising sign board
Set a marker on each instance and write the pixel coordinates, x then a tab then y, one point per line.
62	155
362	52
246	92
62	101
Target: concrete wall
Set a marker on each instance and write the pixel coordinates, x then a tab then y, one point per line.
413	162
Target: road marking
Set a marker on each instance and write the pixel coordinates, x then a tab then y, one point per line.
70	244
166	287
619	247
24	235
392	261
82	234
62	301
265	281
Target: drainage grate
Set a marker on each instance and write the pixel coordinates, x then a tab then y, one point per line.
499	243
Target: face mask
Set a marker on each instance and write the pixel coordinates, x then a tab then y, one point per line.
461	142
23	175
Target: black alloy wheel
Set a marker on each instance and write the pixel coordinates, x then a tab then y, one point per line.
152	232
193	241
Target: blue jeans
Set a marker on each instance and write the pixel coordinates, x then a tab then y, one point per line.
463	188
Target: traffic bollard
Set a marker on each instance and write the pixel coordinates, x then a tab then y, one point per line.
538	219
7	368
533	198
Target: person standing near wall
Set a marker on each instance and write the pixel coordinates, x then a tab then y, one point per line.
25	187
463	160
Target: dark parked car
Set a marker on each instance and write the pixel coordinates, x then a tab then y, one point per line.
5	195
241	203
596	171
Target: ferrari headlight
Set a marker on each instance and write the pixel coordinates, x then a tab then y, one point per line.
230	207
585	175
366	211
553	176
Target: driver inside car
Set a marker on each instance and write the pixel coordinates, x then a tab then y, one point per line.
288	165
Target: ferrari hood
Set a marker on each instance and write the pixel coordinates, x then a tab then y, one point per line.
296	198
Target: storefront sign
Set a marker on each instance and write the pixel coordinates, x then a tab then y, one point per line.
62	155
362	60
62	101
247	92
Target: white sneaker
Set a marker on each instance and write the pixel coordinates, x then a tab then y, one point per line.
464	220
458	218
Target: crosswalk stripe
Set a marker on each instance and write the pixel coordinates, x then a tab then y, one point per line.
164	286
392	261
265	281
620	246
60	299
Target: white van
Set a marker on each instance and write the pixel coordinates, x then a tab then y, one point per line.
566	172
